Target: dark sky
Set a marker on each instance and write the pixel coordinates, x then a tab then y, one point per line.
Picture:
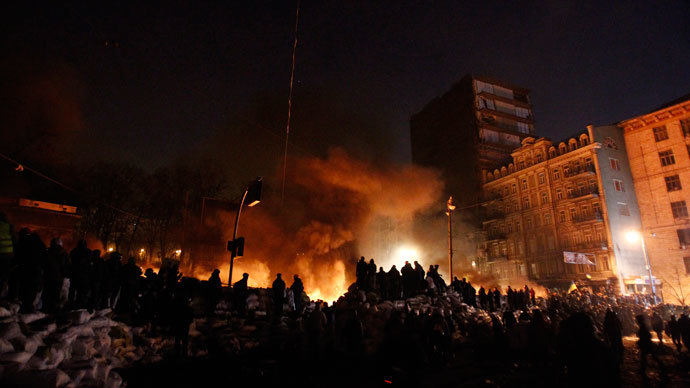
183	75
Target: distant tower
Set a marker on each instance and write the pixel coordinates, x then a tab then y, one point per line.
472	127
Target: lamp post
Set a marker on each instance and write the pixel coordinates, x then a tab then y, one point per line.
252	194
633	236
450	206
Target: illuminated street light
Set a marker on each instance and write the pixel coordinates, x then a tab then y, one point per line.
633	236
450	206
252	196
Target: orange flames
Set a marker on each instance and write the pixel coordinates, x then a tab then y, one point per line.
326	223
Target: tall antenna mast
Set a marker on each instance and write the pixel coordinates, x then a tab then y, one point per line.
287	127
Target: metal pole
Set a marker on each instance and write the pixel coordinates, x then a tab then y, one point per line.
234	235
450	244
649	267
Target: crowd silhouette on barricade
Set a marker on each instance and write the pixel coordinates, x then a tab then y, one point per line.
401	319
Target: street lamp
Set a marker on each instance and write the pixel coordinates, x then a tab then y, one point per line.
450	206
252	195
633	236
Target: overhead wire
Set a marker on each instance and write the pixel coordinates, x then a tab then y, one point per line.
289	114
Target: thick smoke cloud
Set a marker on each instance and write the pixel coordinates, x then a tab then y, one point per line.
325	221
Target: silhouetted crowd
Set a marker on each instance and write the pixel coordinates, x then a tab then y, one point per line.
405	317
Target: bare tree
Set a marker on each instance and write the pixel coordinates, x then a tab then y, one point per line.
675	286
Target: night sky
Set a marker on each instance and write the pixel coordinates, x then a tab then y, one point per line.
148	83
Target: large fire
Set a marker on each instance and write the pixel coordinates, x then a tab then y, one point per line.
336	209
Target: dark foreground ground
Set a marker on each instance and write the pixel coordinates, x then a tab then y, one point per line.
465	369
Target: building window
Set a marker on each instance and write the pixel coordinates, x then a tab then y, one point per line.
679	209
528	223
540	158
547	219
556	174
561	216
517	226
683	238
673	183
660	133
542	179
525	202
585	210
686	260
604	260
667	158
615	164
513	188
618	184
685	126
596	208
524	184
559	195
544	198
623	209
573	213
510	227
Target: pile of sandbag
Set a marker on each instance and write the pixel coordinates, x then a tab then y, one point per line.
77	349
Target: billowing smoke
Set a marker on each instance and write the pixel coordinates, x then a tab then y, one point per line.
331	207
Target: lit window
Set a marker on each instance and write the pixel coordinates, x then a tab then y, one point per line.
615	164
618	184
673	183
660	133
679	209
667	158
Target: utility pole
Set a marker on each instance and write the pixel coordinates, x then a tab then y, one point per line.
649	267
450	207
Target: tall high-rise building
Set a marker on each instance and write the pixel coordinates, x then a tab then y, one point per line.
473	127
658	146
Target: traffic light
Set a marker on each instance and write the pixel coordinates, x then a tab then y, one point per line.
236	247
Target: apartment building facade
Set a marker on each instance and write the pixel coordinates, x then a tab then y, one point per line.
575	196
658	145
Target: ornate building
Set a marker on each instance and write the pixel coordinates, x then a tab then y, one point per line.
658	146
575	196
